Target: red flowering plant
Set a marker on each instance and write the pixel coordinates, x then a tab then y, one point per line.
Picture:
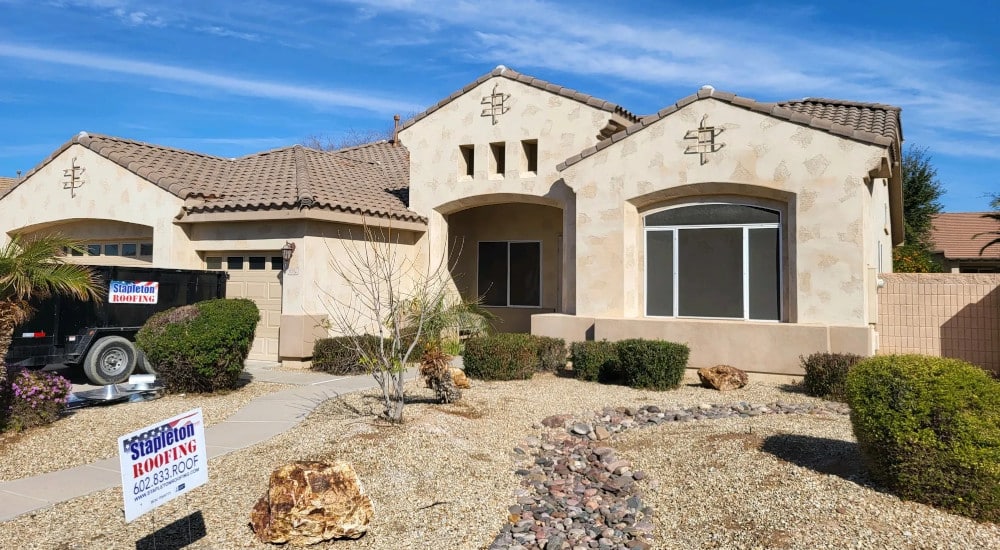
36	398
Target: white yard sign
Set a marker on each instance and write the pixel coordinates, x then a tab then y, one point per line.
162	461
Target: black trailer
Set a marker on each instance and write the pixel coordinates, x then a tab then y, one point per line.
100	336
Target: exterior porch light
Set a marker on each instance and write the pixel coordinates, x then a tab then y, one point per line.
286	255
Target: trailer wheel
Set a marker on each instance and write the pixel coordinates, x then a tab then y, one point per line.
144	364
110	361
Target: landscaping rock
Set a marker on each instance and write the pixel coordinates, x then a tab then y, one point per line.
722	377
459	379
310	502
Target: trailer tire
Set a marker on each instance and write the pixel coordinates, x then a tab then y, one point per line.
110	360
144	365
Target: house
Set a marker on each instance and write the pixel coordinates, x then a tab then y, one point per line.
754	232
957	246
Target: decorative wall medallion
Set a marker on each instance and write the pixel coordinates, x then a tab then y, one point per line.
496	104
705	140
74	178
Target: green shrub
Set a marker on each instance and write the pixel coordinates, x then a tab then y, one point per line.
929	429
595	361
35	398
202	347
339	355
651	364
826	374
551	353
503	356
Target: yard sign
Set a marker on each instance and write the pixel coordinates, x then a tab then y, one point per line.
162	462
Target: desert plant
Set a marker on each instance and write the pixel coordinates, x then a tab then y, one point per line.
502	356
929	430
595	361
826	374
652	364
33	268
551	353
340	357
35	398
435	367
201	347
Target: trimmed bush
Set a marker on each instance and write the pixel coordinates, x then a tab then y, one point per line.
339	355
35	398
826	374
595	361
929	429
201	347
651	364
551	353
503	356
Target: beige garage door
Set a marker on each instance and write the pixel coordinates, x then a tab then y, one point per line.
255	275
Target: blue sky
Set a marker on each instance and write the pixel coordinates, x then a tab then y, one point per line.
233	78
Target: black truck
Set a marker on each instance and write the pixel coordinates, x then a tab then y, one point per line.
100	335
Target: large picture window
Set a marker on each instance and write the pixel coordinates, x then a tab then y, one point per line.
510	273
714	260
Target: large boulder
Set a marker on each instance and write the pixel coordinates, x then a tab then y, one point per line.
722	377
310	502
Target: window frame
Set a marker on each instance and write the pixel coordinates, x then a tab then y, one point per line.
541	278
745	229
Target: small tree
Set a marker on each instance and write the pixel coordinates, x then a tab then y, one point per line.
391	296
921	202
995	204
34	268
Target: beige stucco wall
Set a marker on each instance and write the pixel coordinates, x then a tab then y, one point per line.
108	193
562	127
820	178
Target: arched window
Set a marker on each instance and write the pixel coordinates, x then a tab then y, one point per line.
718	260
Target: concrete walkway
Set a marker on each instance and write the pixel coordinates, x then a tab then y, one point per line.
259	420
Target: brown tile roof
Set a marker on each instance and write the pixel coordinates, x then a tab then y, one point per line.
291	177
868	124
6	183
953	233
533	82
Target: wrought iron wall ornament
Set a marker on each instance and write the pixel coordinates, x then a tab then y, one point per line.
74	178
496	104
705	140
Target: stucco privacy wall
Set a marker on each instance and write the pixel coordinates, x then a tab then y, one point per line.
107	192
561	126
820	177
947	314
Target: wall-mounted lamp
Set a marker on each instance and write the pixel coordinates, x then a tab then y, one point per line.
286	255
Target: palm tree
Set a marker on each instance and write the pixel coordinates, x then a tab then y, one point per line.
34	268
996	216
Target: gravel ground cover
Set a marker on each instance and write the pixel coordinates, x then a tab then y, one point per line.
92	433
446	479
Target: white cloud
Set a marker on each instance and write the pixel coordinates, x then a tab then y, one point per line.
228	33
229	84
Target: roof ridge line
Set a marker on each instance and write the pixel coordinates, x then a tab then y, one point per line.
83	135
303	187
844	102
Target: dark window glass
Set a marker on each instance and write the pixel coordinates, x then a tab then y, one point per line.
765	282
111	250
712	214
659	273
213	262
493	273
76	252
129	249
258	262
145	249
525	274
234	262
710	272
93	250
276	263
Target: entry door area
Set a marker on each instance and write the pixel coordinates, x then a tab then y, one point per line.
257	276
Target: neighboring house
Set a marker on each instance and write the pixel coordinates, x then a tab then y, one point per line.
754	232
957	246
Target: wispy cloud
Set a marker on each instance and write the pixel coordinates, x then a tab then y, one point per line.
219	82
228	33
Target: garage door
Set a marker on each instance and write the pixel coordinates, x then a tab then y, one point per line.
255	275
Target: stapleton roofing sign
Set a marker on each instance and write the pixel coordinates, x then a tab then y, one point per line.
162	462
133	292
